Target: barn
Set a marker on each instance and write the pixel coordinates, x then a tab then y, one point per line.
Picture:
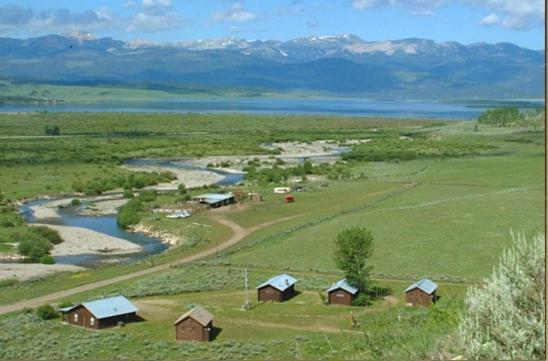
341	293
101	313
215	200
194	325
278	289
421	293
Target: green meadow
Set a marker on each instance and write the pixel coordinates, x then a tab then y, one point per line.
440	197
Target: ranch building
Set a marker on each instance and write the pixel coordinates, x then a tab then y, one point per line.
341	293
278	289
421	293
215	200
103	313
194	325
255	197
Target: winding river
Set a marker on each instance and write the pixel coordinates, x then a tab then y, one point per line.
106	224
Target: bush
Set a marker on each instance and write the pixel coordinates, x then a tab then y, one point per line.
65	304
504	318
8	282
75	202
323	297
47	312
361	300
181	188
47	259
47	233
128	193
148	196
34	248
127	216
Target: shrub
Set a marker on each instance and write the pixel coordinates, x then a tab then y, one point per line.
65	304
8	282
181	188
504	318
47	233
323	297
47	259
127	216
34	248
361	300
128	193
148	196
75	202
47	312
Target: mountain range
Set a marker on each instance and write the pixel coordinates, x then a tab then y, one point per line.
340	64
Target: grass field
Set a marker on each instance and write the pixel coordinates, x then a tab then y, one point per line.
438	215
302	328
452	225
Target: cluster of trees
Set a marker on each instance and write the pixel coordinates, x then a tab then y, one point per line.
52	130
137	180
36	243
512	117
395	149
129	214
277	174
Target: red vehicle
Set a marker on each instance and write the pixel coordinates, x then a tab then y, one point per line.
289	199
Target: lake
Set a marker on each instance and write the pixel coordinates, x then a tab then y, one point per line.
311	106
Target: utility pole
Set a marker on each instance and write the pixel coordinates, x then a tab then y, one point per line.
246	301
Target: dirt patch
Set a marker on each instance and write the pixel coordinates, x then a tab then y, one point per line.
78	240
391	300
24	271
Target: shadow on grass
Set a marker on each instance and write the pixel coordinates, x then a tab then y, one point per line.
377	292
215	331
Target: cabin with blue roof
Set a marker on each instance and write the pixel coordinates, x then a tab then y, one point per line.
277	289
102	313
215	200
341	293
421	293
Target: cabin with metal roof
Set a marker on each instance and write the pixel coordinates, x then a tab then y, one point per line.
341	293
102	313
278	289
421	293
194	325
215	200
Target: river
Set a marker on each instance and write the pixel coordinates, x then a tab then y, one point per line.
107	224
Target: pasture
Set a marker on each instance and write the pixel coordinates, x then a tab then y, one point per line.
443	213
301	328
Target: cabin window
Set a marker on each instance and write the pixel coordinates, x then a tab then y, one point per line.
340	295
75	317
92	321
269	290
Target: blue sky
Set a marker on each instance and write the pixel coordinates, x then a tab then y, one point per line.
465	21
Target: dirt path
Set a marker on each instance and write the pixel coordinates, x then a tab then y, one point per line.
286	326
238	234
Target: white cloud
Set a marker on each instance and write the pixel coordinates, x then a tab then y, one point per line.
236	13
515	14
14	17
153	16
490	19
363	4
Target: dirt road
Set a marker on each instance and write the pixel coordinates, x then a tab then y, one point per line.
239	233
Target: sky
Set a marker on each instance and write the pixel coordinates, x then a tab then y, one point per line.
466	21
